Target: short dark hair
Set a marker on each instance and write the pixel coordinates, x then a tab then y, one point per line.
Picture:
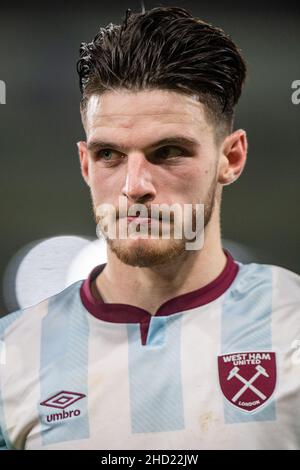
165	48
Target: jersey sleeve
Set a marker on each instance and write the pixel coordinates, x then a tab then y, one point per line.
5	322
3	445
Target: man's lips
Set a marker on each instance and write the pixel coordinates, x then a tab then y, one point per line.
140	220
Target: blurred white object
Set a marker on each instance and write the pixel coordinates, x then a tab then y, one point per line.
91	255
45	267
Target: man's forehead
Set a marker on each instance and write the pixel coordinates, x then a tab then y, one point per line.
133	109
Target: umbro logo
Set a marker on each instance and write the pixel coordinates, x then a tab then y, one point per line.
62	400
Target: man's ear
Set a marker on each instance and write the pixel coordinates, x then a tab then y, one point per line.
84	162
233	157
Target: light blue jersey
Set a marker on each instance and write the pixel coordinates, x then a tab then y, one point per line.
216	368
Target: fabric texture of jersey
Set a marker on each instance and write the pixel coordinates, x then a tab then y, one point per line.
215	368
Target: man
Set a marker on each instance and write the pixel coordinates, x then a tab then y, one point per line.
165	346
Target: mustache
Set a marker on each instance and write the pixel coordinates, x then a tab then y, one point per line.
147	213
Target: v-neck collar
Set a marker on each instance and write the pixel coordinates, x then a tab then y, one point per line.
125	313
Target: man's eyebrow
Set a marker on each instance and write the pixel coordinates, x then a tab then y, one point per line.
171	140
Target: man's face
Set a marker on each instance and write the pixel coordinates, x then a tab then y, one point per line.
136	166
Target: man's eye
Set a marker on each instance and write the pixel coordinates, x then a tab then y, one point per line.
107	155
169	152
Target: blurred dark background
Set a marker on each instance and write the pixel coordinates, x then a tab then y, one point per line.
42	192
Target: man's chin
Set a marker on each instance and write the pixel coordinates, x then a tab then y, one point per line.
145	253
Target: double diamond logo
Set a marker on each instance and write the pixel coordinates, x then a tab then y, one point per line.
63	399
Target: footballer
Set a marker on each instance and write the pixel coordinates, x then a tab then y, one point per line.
166	345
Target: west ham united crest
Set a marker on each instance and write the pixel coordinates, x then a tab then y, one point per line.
248	379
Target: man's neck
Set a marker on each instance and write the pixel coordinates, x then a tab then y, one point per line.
148	288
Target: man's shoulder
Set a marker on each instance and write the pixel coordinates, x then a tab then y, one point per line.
276	271
286	283
279	283
28	316
286	277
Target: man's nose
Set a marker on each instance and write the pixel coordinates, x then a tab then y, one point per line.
139	185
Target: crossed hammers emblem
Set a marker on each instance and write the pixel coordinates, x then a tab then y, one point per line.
247	383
